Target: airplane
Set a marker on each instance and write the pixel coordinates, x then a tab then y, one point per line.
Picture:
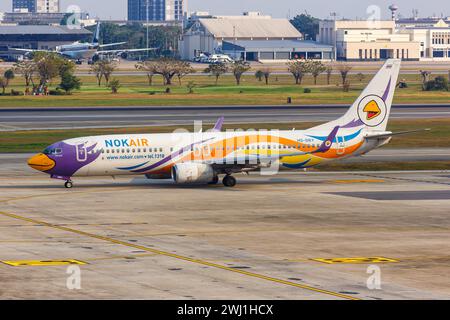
88	51
201	157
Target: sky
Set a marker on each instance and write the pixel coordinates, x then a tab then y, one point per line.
117	9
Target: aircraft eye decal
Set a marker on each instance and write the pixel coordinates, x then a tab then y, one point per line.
372	110
328	144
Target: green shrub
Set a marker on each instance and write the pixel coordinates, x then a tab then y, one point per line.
16	93
307	90
57	92
438	84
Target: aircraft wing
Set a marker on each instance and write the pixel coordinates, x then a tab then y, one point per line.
111	44
30	50
125	50
388	134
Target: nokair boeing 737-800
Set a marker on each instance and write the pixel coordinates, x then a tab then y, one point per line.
203	157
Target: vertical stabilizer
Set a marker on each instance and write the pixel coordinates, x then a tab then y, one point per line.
373	107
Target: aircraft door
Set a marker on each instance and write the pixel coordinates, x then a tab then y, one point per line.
341	145
81	152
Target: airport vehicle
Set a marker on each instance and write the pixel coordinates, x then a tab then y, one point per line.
219	58
91	51
202	157
202	57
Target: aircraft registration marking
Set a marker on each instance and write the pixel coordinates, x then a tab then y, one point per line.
43	263
357	260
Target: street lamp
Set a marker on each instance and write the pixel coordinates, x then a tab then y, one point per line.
146	10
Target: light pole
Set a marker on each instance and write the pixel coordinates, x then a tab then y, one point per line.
146	10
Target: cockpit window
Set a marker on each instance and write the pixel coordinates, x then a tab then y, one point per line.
52	151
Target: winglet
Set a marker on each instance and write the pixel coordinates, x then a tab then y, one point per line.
326	145
219	124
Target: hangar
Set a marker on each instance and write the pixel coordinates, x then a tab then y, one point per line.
209	34
277	50
40	37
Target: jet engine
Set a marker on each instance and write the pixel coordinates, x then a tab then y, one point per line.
190	173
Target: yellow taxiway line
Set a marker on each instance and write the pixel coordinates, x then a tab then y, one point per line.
180	257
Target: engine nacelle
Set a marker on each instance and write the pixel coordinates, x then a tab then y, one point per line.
189	172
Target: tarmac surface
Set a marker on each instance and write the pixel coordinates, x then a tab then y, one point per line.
94	117
289	236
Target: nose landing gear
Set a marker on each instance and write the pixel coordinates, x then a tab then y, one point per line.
68	184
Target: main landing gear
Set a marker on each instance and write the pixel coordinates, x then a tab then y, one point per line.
68	184
229	181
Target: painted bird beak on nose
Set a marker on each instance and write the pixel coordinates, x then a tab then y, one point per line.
41	162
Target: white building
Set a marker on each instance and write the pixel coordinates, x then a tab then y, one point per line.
368	40
35	6
433	36
47	6
208	34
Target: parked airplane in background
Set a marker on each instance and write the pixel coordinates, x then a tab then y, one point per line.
203	156
89	51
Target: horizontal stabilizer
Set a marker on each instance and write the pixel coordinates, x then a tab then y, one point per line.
382	135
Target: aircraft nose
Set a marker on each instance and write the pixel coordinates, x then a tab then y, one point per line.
41	162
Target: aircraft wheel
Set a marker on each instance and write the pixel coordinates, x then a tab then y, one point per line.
215	180
68	184
229	181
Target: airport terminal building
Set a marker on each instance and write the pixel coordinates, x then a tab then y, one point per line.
406	39
363	40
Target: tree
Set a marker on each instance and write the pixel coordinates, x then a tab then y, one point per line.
298	68
9	75
190	86
259	75
266	72
344	70
115	85
27	69
108	68
97	70
69	82
103	69
217	69
148	67
306	24
183	68
329	72
316	68
48	65
3	84
425	78
167	68
238	68
66	67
